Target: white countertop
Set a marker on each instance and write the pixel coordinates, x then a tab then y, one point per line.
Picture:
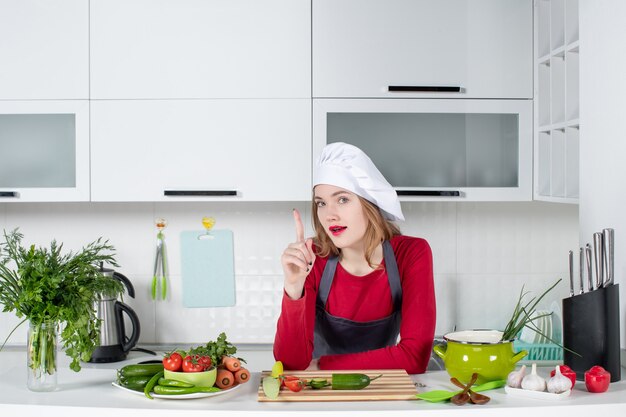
89	392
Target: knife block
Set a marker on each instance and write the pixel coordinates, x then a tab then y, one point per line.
591	329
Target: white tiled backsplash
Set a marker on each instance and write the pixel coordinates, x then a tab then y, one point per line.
483	254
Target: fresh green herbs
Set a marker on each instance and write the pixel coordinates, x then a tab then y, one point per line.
523	315
216	349
43	285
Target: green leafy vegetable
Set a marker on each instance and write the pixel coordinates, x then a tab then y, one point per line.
43	285
523	314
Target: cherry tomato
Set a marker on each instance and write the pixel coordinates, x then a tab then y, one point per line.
293	383
205	361
173	361
568	372
190	364
597	379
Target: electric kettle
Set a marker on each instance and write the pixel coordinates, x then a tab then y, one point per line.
114	344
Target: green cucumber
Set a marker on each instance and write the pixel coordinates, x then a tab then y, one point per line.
165	390
318	383
351	381
147	369
136	383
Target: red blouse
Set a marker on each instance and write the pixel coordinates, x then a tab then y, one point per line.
365	298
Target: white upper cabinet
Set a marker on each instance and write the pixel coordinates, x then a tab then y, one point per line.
160	49
201	150
44	49
44	146
483	48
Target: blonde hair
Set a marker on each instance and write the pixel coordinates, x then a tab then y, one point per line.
379	229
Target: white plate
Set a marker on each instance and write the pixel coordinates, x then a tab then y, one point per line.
538	395
555	308
179	397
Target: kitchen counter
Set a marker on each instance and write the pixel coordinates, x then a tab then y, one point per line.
90	392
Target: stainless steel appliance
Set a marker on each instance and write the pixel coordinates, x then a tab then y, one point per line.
114	343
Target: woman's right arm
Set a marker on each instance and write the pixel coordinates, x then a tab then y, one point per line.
293	343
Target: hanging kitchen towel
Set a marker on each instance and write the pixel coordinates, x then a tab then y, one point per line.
208	268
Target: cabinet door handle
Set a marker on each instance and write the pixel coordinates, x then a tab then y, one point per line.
199	193
9	194
425	88
435	193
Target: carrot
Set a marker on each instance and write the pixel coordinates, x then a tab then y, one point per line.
232	364
225	378
242	375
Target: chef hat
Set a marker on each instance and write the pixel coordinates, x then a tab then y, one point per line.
346	166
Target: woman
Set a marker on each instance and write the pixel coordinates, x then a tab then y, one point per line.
350	291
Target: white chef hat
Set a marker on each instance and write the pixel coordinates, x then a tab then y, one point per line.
346	166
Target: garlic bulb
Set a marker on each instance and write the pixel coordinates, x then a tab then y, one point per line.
514	380
559	383
534	382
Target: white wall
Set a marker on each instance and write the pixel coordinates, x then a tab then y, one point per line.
483	253
602	139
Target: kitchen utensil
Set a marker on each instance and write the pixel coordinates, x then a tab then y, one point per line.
571	273
581	270
463	396
114	345
589	268
557	325
394	384
474	396
478	351
208	269
609	255
598	253
159	277
591	331
528	335
437	396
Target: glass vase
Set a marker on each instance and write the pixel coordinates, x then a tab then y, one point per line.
42	356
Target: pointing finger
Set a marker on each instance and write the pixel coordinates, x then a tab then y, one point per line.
299	226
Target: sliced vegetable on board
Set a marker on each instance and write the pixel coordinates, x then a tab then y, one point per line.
271	387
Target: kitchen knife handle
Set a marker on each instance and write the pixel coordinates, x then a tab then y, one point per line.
598	249
609	255
589	268
424	88
571	273
9	194
199	193
581	270
435	193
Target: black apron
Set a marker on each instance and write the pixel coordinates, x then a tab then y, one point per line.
335	335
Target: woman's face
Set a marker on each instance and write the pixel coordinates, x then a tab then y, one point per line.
341	214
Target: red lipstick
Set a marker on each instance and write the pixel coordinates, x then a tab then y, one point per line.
337	230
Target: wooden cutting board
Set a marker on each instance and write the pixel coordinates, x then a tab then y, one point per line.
395	384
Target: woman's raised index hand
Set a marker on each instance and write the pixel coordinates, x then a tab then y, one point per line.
299	226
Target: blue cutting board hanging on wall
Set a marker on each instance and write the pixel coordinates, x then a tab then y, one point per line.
208	269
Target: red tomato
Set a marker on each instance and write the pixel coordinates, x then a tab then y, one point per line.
205	361
190	364
566	371
173	361
597	379
293	383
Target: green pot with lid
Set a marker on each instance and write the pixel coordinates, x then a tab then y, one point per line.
478	351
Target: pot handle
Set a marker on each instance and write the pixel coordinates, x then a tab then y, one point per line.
134	337
518	356
440	351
